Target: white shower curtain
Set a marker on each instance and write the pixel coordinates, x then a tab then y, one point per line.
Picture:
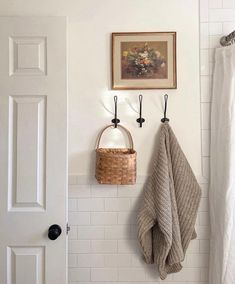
222	178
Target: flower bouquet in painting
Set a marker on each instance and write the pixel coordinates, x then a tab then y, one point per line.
144	60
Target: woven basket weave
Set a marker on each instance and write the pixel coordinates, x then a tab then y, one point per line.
116	165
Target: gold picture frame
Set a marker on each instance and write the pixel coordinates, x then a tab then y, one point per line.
144	60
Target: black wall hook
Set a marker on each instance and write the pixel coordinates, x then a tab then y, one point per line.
164	119
115	120
140	120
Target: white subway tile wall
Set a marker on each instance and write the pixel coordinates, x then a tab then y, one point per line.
103	246
102	242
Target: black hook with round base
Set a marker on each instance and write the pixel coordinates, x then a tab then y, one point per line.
115	120
140	120
164	119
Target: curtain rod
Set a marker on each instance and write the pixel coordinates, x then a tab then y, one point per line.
228	40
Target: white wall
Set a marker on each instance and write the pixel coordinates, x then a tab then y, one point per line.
89	58
90	25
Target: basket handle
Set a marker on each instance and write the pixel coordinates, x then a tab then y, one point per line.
119	126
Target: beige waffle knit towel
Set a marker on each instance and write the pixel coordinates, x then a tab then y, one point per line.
168	214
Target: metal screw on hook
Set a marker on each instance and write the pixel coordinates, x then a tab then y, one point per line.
115	120
140	120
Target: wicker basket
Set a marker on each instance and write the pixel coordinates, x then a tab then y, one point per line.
116	165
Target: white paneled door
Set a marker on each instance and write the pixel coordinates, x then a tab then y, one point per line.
33	150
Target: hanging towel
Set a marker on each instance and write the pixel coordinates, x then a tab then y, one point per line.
168	214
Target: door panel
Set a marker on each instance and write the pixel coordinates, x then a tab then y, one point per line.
27	55
27	118
21	257
33	149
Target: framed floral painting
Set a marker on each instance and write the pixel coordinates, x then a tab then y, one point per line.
144	60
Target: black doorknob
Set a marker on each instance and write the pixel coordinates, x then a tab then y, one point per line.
54	232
